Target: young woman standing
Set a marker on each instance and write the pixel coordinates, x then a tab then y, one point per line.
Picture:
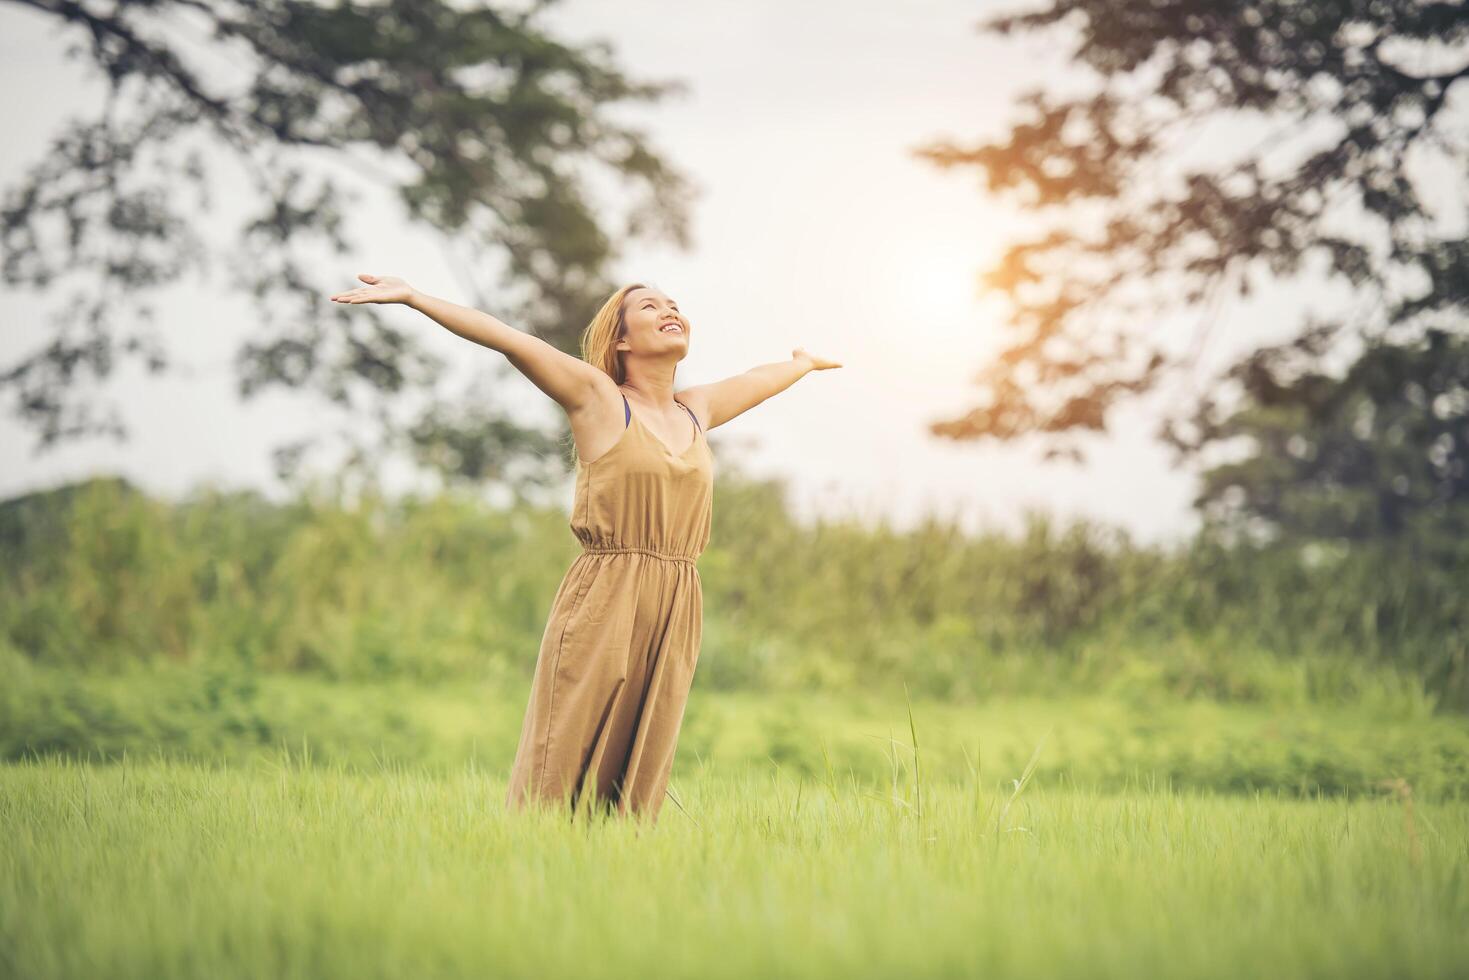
617	658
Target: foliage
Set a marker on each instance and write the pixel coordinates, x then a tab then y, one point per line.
1332	121
447	587
1379	452
481	124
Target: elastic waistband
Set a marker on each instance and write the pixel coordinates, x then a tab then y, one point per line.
607	550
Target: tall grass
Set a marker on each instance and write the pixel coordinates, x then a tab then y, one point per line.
284	870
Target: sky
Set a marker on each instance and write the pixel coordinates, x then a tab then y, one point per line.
815	226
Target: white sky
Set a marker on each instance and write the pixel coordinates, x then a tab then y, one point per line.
816	228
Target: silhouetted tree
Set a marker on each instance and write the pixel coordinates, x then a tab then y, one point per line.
1352	104
485	126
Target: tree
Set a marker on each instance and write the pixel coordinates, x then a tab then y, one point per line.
486	128
1375	453
1350	100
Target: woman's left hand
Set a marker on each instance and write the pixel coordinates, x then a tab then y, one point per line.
815	363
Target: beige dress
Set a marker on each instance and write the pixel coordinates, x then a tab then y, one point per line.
617	658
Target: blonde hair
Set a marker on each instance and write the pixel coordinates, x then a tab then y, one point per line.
599	340
599	344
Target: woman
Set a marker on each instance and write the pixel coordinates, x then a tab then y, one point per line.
618	654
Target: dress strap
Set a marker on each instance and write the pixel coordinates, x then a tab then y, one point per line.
693	416
626	413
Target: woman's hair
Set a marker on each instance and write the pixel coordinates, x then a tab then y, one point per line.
599	340
599	344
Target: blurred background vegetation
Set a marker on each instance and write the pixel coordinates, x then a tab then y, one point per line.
446	588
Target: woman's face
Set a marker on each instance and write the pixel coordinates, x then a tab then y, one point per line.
654	323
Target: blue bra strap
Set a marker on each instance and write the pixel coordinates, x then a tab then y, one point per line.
627	414
692	416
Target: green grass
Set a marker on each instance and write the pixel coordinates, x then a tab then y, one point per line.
169	869
191	822
1107	740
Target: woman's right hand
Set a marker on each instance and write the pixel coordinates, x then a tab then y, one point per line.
379	289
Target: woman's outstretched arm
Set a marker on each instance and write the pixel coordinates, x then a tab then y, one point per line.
721	401
568	380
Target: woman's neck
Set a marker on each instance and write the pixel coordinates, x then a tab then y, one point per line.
655	391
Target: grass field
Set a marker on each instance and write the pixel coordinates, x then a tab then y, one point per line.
189	823
282	869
